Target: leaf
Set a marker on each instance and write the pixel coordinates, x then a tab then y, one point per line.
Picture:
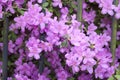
14	79
44	5
64	43
72	78
71	10
10	63
117	76
12	36
73	5
20	11
117	72
50	9
111	78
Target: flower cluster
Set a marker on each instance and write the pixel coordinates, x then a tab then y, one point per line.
108	7
72	50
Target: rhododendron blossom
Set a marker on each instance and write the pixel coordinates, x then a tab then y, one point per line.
47	41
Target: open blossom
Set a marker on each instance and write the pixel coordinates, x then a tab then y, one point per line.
33	47
117	10
42	77
64	10
91	0
57	3
89	16
1	12
0	69
10	7
30	18
104	69
71	49
97	42
46	46
74	61
54	59
11	47
33	16
21	77
52	38
58	27
91	28
39	1
105	22
27	69
84	76
103	72
88	61
74	39
107	7
19	2
61	74
20	23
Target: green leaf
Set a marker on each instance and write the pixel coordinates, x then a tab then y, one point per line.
12	36
71	78
20	11
10	63
64	43
14	79
117	72
117	76
73	5
71	10
44	5
111	78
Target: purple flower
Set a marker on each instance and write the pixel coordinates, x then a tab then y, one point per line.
33	47
91	28
89	16
10	7
21	77
57	3
54	59
61	74
42	77
64	10
19	2
27	69
107	7
11	47
104	72
9	78
105	22
74	61
4	1
46	46
0	69
20	23
85	77
74	39
39	1
88	62
52	38
91	1
19	41
1	12
117	10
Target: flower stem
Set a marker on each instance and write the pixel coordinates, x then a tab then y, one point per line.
79	10
5	47
114	33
